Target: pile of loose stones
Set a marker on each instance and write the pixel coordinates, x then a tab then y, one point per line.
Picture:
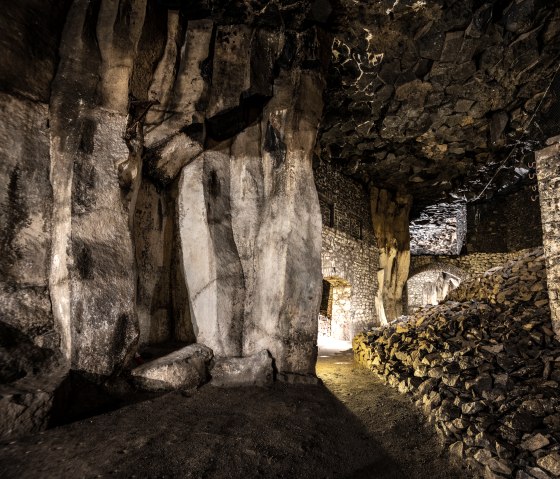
484	366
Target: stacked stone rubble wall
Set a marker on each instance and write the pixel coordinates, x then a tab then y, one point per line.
484	368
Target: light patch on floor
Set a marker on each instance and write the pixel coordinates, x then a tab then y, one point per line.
329	346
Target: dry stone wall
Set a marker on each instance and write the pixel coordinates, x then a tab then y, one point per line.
349	256
504	224
484	368
439	229
344	202
472	264
355	262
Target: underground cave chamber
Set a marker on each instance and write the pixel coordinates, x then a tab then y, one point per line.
196	191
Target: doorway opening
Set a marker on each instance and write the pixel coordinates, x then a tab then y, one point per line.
336	316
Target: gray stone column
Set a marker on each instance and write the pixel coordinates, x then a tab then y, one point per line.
94	178
548	174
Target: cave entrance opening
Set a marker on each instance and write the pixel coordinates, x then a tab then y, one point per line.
336	315
429	288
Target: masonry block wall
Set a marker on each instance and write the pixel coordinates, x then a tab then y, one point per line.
350	257
440	228
504	224
344	203
472	264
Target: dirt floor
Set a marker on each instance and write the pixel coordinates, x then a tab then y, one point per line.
352	427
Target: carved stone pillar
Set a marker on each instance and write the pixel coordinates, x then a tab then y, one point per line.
249	216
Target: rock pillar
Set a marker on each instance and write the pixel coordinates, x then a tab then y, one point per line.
548	174
248	209
390	223
94	176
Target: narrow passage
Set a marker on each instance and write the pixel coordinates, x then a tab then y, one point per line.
389	417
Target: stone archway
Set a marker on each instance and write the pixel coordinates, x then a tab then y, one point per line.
431	283
336	317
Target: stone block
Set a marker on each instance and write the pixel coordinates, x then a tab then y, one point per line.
255	370
182	369
550	463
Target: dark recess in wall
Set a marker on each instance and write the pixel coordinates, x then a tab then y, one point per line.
506	223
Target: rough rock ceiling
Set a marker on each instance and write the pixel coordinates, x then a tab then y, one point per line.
433	95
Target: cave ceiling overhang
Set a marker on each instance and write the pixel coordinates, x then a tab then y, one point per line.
446	99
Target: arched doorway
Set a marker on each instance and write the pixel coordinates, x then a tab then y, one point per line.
431	284
336	316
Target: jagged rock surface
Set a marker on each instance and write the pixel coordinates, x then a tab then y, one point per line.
439	229
430	95
92	273
484	368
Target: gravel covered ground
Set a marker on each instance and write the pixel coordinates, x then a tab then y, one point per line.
353	427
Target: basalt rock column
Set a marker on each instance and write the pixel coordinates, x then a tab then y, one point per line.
248	210
390	222
94	177
548	175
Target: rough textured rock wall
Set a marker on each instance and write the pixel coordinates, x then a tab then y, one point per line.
507	223
355	262
208	91
89	222
30	361
29	41
156	249
25	228
548	174
233	118
390	215
439	229
95	179
31	366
